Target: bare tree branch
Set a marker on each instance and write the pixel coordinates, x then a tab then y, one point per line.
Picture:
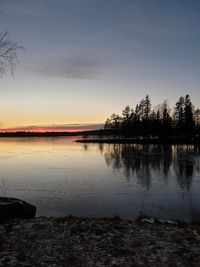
8	53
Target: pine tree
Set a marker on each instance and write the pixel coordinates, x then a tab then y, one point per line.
179	113
166	122
147	107
188	115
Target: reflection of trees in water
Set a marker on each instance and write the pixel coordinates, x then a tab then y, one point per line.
101	147
139	160
136	162
85	146
142	161
185	163
113	156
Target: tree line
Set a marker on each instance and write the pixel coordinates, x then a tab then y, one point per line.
161	121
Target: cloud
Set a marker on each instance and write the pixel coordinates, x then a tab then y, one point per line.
55	128
76	67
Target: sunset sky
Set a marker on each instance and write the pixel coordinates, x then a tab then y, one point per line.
86	59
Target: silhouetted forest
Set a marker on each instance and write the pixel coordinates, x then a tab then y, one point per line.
183	120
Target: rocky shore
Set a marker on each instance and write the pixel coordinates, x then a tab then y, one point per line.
72	241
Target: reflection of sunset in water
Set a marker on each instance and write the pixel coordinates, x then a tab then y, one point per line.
61	176
20	141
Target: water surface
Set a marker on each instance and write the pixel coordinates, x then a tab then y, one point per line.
62	177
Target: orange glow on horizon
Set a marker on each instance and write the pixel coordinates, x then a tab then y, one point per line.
43	130
48	128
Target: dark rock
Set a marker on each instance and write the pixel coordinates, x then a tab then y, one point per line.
11	208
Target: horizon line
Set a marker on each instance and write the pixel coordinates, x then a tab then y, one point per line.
74	127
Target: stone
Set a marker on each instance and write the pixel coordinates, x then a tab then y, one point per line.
11	208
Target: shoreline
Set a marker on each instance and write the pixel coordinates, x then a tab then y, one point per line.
74	241
98	136
140	141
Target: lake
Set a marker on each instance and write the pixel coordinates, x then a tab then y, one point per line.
62	177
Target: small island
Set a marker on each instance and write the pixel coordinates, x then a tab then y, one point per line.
144	125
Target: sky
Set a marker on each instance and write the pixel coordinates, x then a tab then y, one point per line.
86	59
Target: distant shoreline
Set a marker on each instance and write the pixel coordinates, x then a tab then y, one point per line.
141	141
48	134
100	136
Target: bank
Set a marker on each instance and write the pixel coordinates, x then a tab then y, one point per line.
72	241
